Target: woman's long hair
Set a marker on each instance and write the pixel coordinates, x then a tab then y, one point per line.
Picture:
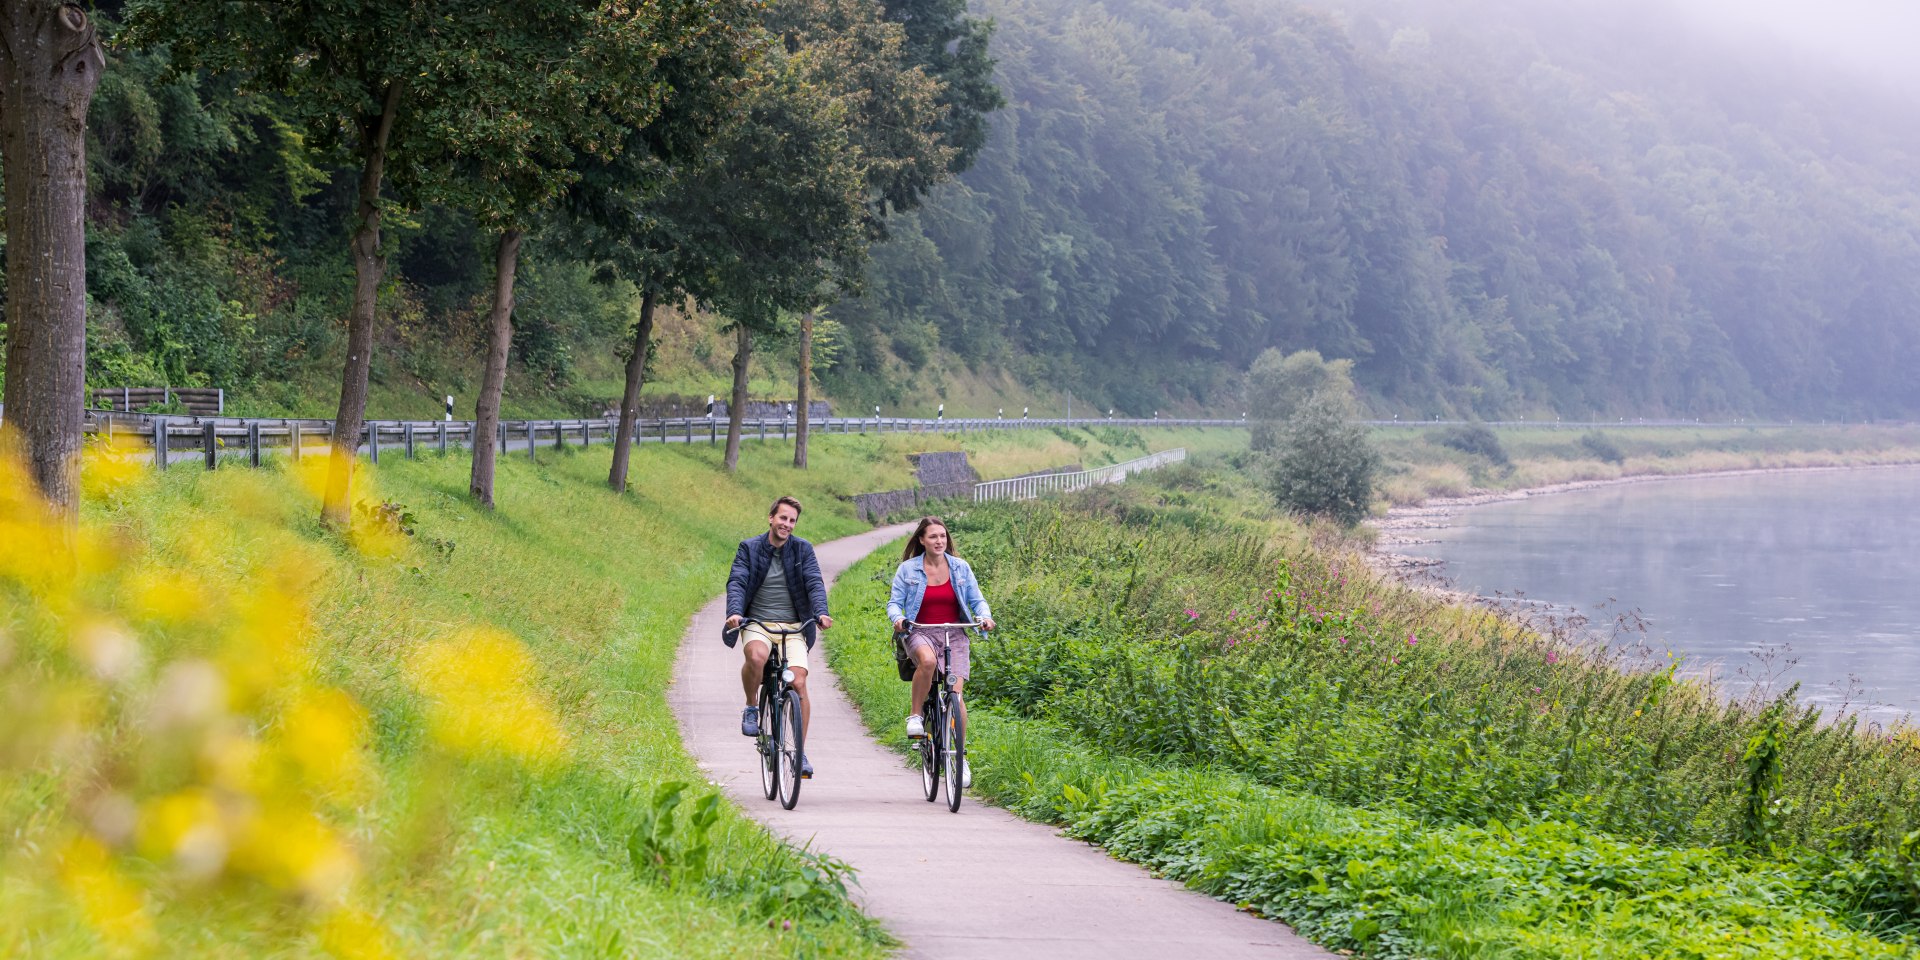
915	547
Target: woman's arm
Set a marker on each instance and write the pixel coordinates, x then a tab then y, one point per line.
897	596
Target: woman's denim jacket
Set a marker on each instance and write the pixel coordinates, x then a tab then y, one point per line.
910	587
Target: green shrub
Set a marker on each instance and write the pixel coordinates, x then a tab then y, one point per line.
1601	447
1323	464
1476	439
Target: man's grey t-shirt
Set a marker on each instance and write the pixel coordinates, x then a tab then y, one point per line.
772	603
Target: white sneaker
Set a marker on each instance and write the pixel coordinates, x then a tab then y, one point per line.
916	730
966	775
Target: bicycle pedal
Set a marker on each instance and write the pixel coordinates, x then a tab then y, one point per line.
920	737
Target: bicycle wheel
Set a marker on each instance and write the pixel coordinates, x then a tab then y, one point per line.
929	747
954	752
791	746
769	756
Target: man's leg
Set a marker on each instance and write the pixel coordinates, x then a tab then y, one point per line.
750	672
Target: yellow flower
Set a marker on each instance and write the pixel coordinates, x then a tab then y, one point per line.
110	902
187	828
109	469
294	850
352	935
168	596
483	701
321	734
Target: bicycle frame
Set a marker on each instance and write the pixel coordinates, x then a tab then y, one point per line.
780	717
939	749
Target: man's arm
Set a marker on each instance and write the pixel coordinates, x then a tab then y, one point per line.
737	581
816	586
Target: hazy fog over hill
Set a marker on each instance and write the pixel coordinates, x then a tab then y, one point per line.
1492	206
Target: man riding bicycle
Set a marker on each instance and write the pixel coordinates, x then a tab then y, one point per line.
775	578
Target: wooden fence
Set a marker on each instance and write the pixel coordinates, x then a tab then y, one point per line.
197	401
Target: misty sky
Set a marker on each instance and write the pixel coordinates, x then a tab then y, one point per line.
1876	37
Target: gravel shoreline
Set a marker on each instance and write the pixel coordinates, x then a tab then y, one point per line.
1404	525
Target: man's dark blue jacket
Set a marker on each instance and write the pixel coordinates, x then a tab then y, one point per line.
802	570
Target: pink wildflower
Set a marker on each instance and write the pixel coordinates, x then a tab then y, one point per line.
1193	614
1553	656
1411	639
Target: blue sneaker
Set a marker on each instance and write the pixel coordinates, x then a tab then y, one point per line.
806	768
750	722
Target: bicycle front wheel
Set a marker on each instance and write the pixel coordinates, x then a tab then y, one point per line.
929	747
768	747
791	748
954	753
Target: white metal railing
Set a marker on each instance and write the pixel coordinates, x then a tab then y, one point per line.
1025	488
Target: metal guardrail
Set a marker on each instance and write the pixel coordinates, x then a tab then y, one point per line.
174	438
1026	488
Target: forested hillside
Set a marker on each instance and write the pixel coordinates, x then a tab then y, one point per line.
1493	207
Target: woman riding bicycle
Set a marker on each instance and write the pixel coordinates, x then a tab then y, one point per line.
932	586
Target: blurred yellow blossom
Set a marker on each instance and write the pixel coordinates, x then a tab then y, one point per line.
294	850
321	734
349	934
111	903
108	469
187	830
480	683
169	596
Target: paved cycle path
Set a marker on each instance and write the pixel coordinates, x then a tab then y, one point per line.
981	883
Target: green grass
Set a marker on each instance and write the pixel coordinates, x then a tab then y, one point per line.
461	851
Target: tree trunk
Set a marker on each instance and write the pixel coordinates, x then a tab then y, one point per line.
738	408
805	393
630	399
50	63
369	268
486	414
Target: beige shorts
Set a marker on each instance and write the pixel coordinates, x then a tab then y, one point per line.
795	645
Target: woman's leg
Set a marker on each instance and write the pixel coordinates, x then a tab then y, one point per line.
922	677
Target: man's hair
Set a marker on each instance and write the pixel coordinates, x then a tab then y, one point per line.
915	547
789	501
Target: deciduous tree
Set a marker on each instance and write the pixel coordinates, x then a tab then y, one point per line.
50	63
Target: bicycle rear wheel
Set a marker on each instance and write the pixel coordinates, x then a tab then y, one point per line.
769	753
954	752
791	747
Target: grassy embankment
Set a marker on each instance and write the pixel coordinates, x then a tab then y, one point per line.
1418	465
1214	698
691	359
237	735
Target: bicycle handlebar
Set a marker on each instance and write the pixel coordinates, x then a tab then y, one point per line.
910	624
770	628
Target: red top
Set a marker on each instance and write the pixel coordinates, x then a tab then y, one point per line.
940	605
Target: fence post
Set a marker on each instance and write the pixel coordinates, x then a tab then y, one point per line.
211	441
663	431
293	441
407	433
253	442
373	441
160	442
763	428
533	431
443	436
713	437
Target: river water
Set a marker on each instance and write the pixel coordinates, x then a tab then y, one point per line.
1764	579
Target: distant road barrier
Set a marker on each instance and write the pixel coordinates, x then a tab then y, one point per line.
1026	488
175	439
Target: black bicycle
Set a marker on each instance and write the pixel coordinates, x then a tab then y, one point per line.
943	751
782	739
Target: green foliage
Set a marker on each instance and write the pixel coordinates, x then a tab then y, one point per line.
1323	464
1602	447
1476	439
1271	727
660	850
1280	385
